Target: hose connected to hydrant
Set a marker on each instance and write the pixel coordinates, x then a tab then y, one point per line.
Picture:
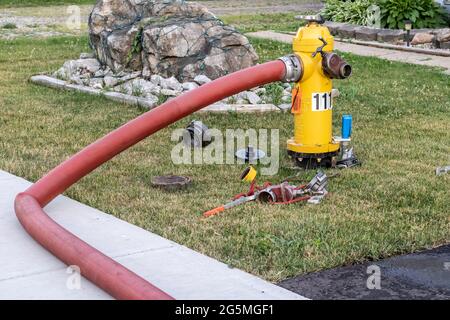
112	277
312	114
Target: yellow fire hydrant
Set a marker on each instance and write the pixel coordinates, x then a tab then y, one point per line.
313	66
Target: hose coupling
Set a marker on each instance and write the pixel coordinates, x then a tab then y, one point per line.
335	67
294	68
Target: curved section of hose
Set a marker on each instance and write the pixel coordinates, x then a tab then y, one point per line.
112	277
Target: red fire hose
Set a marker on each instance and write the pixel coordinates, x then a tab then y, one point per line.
106	273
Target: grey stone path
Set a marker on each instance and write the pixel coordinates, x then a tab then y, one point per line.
27	271
388	54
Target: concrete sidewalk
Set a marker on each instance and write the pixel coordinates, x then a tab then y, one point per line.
388	54
27	271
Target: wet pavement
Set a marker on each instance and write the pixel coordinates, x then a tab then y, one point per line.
424	275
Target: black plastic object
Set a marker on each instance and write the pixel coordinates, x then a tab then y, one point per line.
348	163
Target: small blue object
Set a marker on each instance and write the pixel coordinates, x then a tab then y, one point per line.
346	126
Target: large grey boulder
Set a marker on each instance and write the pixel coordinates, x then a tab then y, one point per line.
166	37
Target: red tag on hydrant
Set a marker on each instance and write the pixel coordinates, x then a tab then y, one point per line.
296	100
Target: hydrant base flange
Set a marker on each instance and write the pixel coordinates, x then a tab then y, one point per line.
312	151
313	161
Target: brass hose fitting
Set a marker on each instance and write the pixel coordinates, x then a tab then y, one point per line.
335	67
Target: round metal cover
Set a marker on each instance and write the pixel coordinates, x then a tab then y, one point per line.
171	182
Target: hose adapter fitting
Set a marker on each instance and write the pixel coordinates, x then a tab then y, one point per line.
294	68
335	67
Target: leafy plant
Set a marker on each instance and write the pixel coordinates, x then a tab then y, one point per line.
351	11
9	26
137	90
422	13
274	93
136	46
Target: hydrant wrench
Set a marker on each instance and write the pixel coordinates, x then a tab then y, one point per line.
230	205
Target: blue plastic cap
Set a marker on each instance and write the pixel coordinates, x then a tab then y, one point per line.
347	126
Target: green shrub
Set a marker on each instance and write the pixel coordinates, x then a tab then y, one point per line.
351	11
9	26
423	13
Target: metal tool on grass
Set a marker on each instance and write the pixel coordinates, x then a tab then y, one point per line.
442	170
284	193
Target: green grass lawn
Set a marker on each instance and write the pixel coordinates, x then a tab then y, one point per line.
393	204
264	21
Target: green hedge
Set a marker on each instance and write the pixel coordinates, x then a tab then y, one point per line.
393	13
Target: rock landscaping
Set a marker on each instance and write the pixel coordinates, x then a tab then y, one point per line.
87	75
146	52
422	38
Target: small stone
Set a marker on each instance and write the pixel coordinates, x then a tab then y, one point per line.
99	73
287	92
171	84
96	83
241	101
443	35
122	89
151	100
86	55
241	95
76	80
129	76
156	79
87	66
335	93
169	93
110	81
202	79
188	86
143	87
253	98
286	98
422	38
62	74
260	91
287	86
156	90
285	106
